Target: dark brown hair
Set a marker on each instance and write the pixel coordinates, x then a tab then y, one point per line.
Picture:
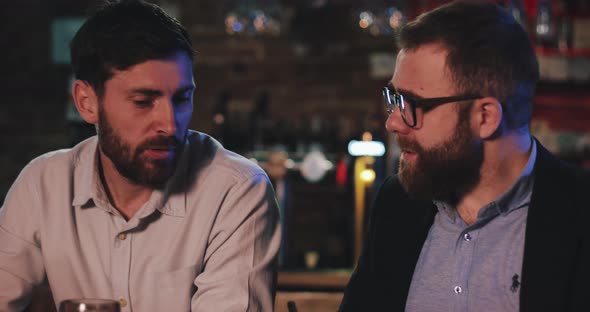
489	53
121	34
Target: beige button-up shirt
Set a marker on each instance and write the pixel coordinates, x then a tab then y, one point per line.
207	242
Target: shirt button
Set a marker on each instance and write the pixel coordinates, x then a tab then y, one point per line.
466	237
121	236
458	290
123	302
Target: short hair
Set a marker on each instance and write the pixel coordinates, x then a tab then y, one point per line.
121	34
489	53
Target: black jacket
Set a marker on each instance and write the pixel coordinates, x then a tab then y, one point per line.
556	264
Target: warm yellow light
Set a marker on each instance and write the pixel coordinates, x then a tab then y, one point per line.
259	23
395	20
368	175
364	23
229	22
218	119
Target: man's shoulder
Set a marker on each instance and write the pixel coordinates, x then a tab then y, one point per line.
550	166
61	161
558	183
208	154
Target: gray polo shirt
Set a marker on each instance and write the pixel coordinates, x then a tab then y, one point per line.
475	267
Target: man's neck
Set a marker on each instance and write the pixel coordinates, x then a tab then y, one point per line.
126	196
504	161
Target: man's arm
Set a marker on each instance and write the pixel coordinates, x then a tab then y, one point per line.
580	300
397	229
21	261
240	262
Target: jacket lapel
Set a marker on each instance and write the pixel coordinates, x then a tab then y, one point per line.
550	246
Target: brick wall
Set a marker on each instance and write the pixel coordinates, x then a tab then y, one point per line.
320	67
32	108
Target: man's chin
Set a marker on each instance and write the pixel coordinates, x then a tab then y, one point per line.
413	190
434	188
155	181
417	186
158	177
407	178
151	174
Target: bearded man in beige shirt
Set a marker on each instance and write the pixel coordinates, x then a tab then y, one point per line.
149	213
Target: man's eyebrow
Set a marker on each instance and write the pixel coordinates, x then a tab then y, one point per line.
185	89
405	92
155	92
145	91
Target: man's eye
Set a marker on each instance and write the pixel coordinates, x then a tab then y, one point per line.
143	103
182	100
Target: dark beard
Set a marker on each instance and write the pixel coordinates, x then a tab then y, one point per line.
131	164
445	170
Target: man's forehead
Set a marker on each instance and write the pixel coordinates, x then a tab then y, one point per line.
422	71
155	75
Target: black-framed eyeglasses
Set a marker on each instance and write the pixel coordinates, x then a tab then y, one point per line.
408	105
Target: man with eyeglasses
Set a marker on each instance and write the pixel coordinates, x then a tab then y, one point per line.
480	217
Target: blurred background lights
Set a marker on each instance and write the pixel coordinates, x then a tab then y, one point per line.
366	19
366	148
368	175
262	17
380	21
395	19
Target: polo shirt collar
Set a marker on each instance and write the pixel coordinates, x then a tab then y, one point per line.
517	196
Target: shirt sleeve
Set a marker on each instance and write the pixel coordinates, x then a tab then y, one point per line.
21	263
240	265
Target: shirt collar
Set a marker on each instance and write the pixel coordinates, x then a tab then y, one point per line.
517	196
89	191
87	187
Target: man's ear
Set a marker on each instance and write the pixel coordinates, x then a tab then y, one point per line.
488	117
86	101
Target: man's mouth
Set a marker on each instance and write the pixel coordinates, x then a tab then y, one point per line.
409	149
159	152
408	154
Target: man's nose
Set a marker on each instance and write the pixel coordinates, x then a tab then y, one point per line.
165	117
395	123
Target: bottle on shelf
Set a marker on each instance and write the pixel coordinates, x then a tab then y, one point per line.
580	19
545	31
